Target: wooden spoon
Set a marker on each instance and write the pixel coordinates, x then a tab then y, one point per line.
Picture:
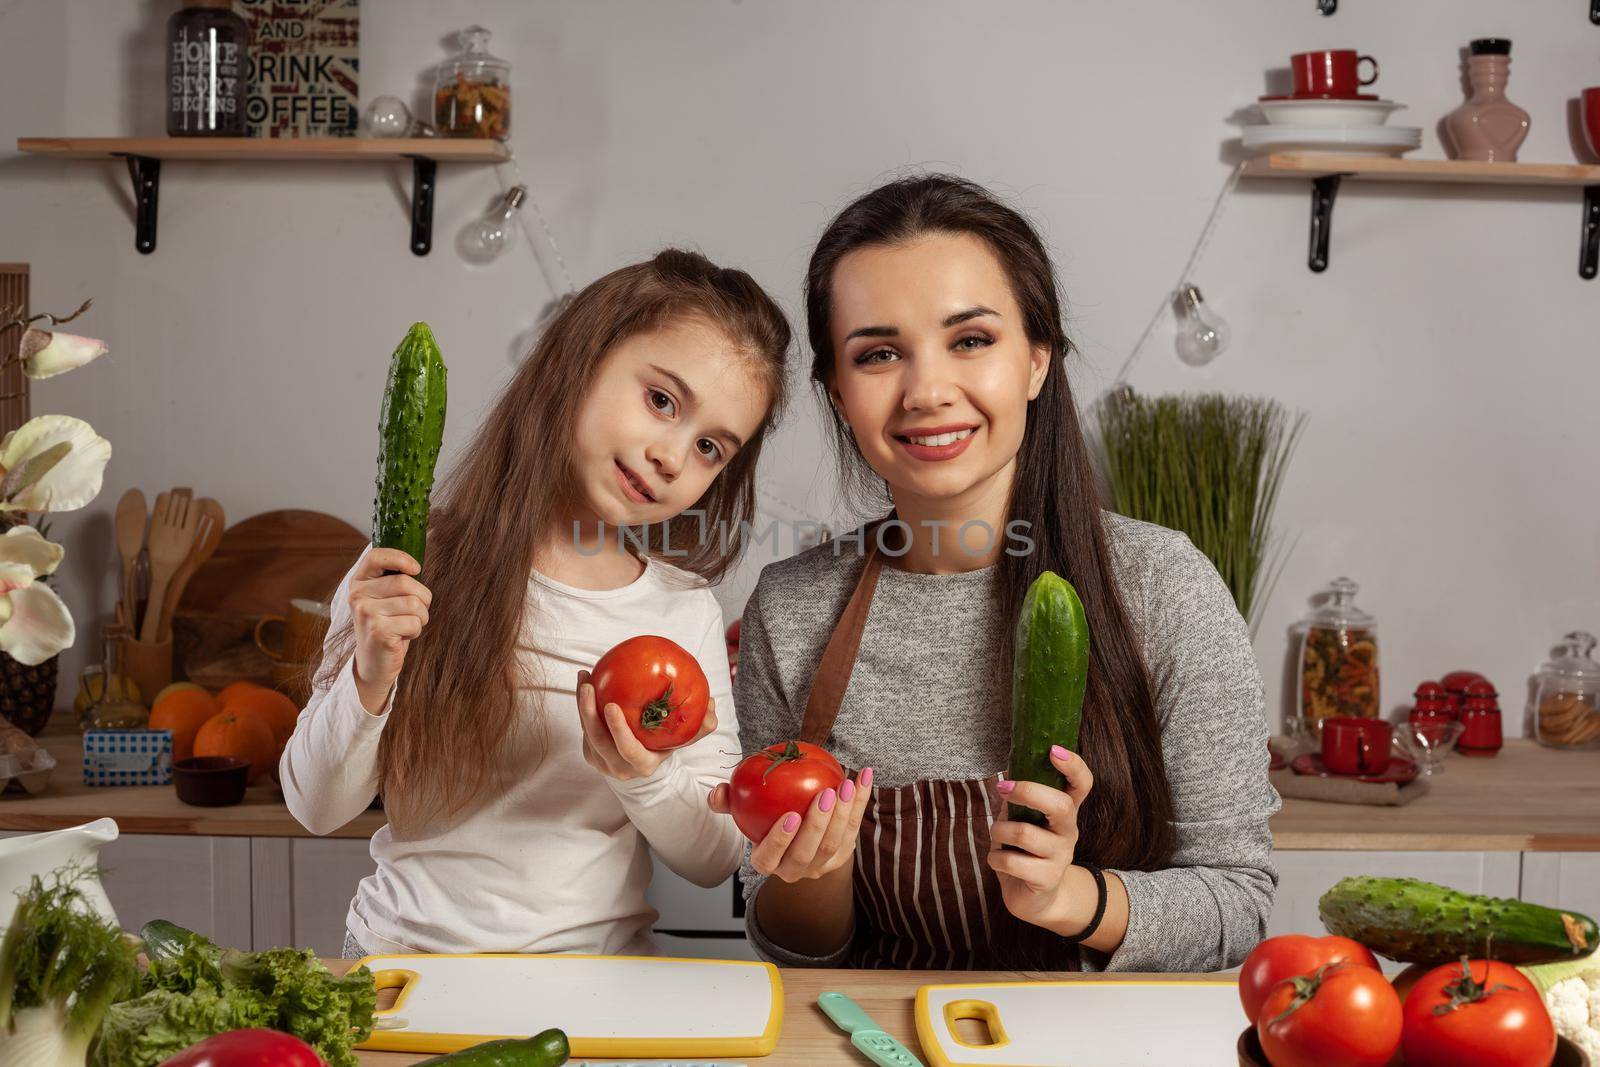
171	538
131	517
208	534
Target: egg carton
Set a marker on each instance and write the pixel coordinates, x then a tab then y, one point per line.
26	776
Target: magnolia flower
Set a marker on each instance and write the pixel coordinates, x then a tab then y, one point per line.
45	354
34	623
51	463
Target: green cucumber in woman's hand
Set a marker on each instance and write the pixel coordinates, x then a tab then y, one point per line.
410	432
1049	672
546	1049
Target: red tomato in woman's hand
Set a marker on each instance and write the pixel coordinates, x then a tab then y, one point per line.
777	780
1342	1015
247	1048
1482	1013
1291	955
660	688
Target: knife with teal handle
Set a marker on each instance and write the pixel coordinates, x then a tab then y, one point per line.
865	1034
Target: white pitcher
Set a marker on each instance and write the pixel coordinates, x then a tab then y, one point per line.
42	854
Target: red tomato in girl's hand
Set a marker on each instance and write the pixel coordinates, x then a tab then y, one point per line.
247	1048
1291	955
1479	1014
660	688
777	780
1343	1015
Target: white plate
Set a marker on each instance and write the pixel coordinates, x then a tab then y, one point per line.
1348	140
1328	112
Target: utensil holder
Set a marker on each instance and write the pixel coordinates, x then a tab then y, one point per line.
149	664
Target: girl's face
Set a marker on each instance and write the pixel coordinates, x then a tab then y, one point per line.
668	410
932	368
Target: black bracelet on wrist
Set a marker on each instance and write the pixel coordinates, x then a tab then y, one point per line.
1099	907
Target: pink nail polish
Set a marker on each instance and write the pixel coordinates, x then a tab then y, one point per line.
1006	785
866	778
828	797
791	823
847	792
1060	753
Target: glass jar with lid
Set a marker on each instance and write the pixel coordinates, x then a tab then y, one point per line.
116	708
1566	704
1338	670
472	92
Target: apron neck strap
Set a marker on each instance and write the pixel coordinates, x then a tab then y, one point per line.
839	658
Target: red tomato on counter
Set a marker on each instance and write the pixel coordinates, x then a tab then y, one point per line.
660	688
247	1048
1343	1015
1482	1013
777	780
1290	955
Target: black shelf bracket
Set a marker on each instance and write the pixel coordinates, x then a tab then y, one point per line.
1323	191
1328	7
423	174
1589	247
146	175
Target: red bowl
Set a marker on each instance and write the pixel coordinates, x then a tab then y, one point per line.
210	781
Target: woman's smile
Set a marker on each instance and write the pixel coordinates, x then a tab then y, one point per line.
633	487
937	443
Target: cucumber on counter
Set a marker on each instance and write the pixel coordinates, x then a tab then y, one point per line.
545	1049
1050	670
1418	922
410	431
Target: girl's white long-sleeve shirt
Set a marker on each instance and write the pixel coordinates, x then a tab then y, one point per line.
560	861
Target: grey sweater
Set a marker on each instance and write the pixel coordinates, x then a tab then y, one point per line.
929	699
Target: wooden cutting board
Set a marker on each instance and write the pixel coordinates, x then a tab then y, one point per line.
633	1006
260	564
1083	1023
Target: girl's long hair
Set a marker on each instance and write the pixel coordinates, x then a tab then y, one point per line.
456	701
1127	821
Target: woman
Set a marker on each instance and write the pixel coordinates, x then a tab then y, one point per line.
936	326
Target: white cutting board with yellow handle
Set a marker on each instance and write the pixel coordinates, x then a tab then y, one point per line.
624	1006
1084	1023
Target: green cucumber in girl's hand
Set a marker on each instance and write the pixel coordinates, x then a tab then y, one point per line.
1049	672
546	1049
410	431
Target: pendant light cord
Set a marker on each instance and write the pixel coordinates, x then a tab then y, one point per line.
1188	269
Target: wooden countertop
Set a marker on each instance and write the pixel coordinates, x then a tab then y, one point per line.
809	1038
1527	799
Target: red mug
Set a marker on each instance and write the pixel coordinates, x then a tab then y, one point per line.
1591	118
1332	73
1353	745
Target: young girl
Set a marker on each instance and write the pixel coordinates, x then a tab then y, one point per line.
522	818
936	326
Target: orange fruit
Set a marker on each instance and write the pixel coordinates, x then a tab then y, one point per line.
271	707
183	711
232	690
245	737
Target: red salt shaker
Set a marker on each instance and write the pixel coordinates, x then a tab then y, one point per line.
1433	703
1455	686
1480	717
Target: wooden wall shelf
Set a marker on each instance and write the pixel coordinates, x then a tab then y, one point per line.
1326	170
144	156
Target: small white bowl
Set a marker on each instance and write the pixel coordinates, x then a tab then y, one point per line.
1328	112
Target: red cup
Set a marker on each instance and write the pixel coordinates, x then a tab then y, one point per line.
1353	745
1333	73
1591	118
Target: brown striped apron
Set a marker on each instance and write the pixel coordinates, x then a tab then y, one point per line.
925	896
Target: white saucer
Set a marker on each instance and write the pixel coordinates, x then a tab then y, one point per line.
1330	112
1345	140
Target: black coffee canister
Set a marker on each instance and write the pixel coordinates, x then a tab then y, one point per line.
207	47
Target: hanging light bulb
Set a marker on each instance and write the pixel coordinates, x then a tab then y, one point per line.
484	239
1202	333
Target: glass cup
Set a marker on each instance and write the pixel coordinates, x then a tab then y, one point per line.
1429	739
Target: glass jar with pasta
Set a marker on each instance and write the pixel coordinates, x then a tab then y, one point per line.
472	92
1566	704
1338	672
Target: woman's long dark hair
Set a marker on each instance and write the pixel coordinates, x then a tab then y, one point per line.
1127	821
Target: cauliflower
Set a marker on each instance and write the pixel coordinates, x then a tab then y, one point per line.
1574	1006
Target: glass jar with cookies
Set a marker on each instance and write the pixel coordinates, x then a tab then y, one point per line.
1566	704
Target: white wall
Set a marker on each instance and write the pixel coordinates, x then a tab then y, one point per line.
1447	357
